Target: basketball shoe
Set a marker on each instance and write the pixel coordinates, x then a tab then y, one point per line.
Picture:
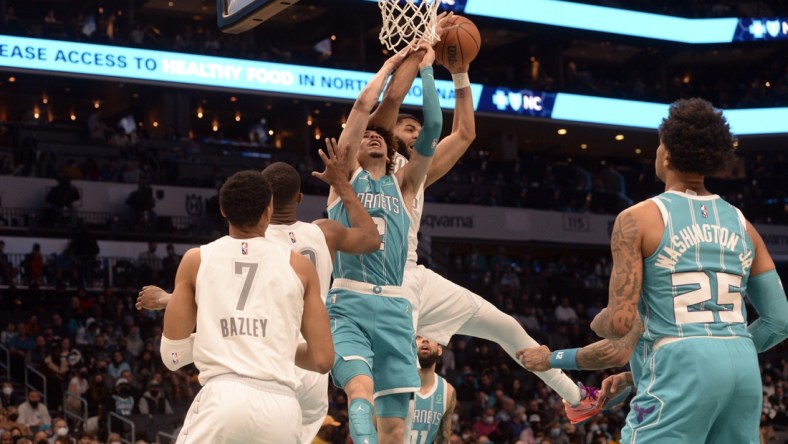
588	407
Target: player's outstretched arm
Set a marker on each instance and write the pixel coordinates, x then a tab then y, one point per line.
362	236
463	130
597	356
444	435
767	295
626	277
412	175
317	354
357	120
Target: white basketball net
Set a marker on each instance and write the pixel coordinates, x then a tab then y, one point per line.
408	22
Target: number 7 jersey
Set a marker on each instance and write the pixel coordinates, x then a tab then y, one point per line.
694	282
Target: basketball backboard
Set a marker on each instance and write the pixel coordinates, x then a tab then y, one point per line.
236	16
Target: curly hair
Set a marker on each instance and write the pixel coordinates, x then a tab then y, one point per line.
244	197
697	137
285	183
391	145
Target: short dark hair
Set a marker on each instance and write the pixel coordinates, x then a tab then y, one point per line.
391	145
406	116
697	137
244	197
285	183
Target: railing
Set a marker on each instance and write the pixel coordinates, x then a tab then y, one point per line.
68	412
29	386
165	438
122	433
5	362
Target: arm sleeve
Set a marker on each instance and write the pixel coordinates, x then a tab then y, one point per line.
176	354
767	295
433	118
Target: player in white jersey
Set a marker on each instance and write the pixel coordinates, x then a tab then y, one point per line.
248	297
318	241
441	307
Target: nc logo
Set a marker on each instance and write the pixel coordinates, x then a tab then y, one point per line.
515	100
773	27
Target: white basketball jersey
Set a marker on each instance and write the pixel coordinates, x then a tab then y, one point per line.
249	308
418	208
309	240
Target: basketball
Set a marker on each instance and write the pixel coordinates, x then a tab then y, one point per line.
459	44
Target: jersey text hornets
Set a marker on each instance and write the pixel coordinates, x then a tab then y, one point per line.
380	200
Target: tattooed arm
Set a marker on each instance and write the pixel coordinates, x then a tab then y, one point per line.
626	278
444	432
597	356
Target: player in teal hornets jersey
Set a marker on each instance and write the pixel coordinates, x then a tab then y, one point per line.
682	263
371	319
435	401
383	201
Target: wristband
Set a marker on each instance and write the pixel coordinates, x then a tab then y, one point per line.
461	80
565	359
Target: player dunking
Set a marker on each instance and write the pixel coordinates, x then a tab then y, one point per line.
435	401
318	241
682	262
371	318
248	296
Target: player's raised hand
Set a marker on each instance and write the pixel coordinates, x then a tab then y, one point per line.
152	297
535	359
334	161
441	21
429	55
612	388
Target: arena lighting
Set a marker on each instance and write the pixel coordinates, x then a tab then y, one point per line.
609	20
619	137
562	132
21	54
583	146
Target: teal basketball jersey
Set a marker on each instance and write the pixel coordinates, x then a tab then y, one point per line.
383	201
428	413
694	282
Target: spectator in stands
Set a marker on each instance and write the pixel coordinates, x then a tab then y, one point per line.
6	268
141	203
77	386
149	263
114	438
9	419
486	424
56	368
60	200
475	264
33	413
96	127
117	366
565	313
84	248
72	170
39	353
8	334
8	397
33	265
154	401
169	265
60	431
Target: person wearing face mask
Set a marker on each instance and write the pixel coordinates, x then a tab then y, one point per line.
486	425
122	403
77	386
9	420
8	397
154	401
60	429
33	413
41	438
